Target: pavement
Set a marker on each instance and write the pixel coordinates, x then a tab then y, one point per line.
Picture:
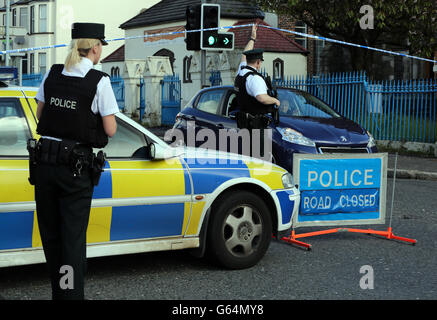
412	167
408	167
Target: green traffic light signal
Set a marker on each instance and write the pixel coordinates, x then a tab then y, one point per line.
217	41
212	40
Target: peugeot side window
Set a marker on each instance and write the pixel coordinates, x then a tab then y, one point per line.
210	101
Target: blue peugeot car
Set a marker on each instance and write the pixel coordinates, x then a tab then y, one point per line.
306	124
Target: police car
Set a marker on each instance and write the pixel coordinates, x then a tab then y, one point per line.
150	197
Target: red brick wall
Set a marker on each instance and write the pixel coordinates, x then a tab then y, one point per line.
288	22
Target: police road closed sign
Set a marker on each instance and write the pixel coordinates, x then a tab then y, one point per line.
340	189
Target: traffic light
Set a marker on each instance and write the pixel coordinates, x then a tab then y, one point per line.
219	41
193	18
212	39
210	18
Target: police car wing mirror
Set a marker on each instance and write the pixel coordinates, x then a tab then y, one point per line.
152	151
158	152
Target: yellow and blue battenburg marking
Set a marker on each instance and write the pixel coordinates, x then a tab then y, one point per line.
143	179
168	187
16	230
162	179
287	205
210	173
15	226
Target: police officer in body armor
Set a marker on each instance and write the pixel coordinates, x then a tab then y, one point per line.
254	94
76	107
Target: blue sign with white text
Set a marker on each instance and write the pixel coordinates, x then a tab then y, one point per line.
341	189
332	201
340	174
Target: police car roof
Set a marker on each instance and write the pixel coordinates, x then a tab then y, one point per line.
14	87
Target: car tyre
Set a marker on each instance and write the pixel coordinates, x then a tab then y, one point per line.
240	230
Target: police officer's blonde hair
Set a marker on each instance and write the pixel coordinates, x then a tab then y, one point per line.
79	48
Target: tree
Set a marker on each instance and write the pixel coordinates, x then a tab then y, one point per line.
409	24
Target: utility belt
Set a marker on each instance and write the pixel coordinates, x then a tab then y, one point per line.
250	121
79	157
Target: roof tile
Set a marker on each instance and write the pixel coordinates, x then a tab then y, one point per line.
268	39
116	56
174	10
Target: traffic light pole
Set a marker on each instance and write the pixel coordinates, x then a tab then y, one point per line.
202	64
203	69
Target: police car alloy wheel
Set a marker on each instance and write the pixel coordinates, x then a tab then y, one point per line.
240	230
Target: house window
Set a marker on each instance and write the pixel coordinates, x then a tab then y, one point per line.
42	62
278	69
302	28
115	72
32	63
187	65
166	53
24	64
14	17
43	18
32	19
23	18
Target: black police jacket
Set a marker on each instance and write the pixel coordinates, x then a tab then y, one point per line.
67	111
246	102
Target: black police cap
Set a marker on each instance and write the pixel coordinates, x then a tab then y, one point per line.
254	54
89	31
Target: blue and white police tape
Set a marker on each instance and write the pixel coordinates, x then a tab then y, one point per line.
154	35
349	44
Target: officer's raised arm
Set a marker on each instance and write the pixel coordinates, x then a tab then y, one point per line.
251	43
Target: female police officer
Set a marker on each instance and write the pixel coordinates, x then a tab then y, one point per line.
76	107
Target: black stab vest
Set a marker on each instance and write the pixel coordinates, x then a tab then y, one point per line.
67	110
246	102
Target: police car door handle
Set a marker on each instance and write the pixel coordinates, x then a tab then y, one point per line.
220	126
